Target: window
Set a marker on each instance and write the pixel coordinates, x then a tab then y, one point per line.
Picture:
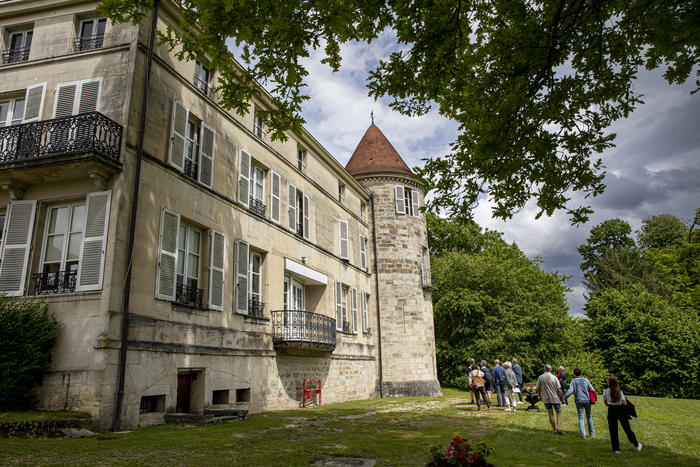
259	124
353	303
91	35
257	185
201	77
294	294
20	43
180	263
255	306
341	307
77	97
243	395
407	201
11	111
150	404
2	228
248	291
365	318
298	215
251	186
363	253
219	397
301	160
341	192
363	207
192	145
344	243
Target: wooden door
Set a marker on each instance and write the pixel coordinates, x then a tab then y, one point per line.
184	383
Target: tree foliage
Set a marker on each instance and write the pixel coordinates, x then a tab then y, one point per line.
609	235
662	230
447	235
649	345
27	334
533	84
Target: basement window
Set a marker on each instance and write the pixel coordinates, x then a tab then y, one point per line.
151	404
243	395
219	397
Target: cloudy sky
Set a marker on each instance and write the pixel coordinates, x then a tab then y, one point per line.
655	167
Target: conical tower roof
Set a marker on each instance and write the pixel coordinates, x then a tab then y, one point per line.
375	154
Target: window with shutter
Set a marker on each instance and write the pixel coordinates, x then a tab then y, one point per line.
218	269
166	279
16	244
363	253
243	178
92	248
34	103
77	97
415	203
344	247
338	306
292	209
353	296
307	222
275	193
365	318
206	155
400	202
178	136
241	290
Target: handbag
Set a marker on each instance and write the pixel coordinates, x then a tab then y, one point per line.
592	396
516	390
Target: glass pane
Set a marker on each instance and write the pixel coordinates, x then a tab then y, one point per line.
72	266
4	110
192	265
54	248
16	41
28	40
181	262
255	264
74	246
182	237
18	112
86	31
193	246
78	220
101	26
57	220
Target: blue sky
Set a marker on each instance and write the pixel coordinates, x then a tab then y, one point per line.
654	168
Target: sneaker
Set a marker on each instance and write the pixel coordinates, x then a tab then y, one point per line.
559	432
639	447
508	409
617	452
520	402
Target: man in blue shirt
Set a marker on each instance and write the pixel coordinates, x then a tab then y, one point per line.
517	369
499	378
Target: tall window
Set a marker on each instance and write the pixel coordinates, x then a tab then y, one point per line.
363	208
294	294
61	254
11	112
341	192
201	77
20	44
2	228
92	34
257	189
189	252
301	160
259	124
341	307
192	150
255	277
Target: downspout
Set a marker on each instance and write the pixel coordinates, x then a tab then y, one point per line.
376	287
132	229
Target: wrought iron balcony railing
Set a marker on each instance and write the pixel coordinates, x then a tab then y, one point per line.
257	206
300	229
190	296
15	55
296	328
256	309
202	85
191	169
346	327
55	282
82	44
88	132
426	280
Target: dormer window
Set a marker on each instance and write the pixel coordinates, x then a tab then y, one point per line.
20	43
201	77
92	35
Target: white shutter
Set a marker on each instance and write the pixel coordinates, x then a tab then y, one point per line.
217	270
307	223
93	245
400	202
365	325
363	253
241	300
166	279
338	306
353	293
344	249
178	135
207	146
416	204
16	244
244	178
65	100
275	193
34	103
292	211
89	96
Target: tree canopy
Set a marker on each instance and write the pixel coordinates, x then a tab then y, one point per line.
533	84
662	230
611	234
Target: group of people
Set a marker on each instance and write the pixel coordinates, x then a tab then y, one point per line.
507	381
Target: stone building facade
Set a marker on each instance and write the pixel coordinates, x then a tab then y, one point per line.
255	265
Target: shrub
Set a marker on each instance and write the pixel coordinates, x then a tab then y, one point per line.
592	368
27	334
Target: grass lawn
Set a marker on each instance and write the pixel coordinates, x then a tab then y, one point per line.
397	432
21	417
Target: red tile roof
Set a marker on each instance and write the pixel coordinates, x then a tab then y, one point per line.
375	154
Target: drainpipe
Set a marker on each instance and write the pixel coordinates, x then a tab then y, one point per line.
376	287
134	207
65	381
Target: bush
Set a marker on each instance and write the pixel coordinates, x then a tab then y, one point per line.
27	334
592	368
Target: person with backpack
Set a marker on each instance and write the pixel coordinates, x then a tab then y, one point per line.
615	401
562	381
487	378
477	384
580	387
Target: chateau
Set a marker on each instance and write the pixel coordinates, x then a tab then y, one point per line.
256	265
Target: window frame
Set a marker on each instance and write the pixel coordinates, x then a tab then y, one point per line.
258	124
202	75
67	232
251	275
95	40
10	118
301	160
188	229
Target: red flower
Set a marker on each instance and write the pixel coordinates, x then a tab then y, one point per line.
457	439
476	454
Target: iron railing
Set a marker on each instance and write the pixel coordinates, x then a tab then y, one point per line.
82	44
425	278
46	283
191	169
256	308
346	327
202	85
257	206
190	296
296	328
78	133
300	229
15	55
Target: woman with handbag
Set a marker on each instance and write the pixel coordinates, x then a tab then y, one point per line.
582	389
615	401
478	385
511	383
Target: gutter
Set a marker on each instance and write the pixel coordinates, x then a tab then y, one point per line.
376	287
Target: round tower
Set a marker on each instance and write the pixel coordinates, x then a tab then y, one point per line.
400	267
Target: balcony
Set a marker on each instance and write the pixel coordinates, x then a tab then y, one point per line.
191	169
30	152
303	329
190	296
256	206
201	84
426	281
256	309
15	55
55	282
300	229
81	44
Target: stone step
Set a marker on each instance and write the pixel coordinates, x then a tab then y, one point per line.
206	418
